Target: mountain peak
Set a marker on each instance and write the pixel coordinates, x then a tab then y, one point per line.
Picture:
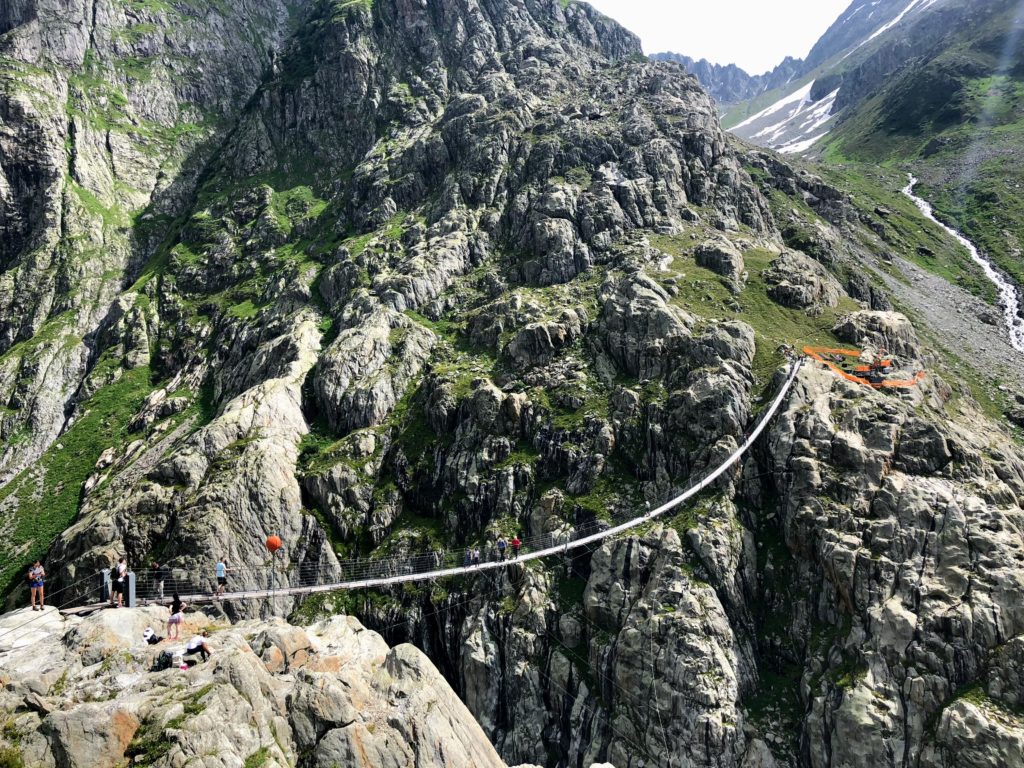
728	83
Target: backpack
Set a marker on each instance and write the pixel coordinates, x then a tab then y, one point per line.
113	573
163	661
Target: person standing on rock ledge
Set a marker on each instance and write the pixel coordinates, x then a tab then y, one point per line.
176	619
163	575
36	580
120	582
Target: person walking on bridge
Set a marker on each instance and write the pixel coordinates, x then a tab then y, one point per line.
222	577
502	546
36	581
516	544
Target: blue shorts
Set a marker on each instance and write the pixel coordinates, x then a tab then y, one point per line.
36	584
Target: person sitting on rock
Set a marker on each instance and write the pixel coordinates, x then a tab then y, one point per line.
198	645
151	637
36	581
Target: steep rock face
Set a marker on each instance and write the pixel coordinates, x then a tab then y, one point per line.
108	114
884	532
441	281
478	121
331	694
367	369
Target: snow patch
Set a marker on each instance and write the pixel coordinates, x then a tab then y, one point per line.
797	96
801	146
919	4
800	121
821	113
902	15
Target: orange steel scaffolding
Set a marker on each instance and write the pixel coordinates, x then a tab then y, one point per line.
818	354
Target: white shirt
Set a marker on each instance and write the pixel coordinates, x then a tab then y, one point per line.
195	642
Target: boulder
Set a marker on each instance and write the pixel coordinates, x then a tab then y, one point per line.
799	282
890	331
540	342
723	258
90	734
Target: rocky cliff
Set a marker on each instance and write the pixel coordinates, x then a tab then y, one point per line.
419	274
85	693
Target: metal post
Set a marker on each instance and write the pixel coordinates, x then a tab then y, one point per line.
105	585
129	599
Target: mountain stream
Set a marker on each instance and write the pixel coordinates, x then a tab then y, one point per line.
1009	296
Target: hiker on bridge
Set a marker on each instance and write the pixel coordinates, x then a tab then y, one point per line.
36	581
222	577
502	546
516	544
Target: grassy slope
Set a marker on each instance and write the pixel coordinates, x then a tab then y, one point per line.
960	128
702	292
49	492
906	231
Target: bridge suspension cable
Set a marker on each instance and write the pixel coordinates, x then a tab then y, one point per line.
430	566
381	573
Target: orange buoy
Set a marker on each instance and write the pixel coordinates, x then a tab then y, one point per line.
273	543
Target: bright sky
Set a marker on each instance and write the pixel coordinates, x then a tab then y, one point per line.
754	34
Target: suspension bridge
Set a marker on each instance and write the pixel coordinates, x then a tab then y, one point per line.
378	573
